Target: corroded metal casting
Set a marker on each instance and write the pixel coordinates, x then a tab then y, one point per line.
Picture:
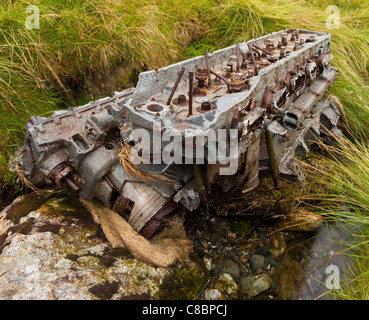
266	94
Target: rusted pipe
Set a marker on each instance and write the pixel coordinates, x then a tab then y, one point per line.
272	158
190	94
199	182
253	59
237	57
208	67
220	77
257	52
71	184
266	51
175	85
110	183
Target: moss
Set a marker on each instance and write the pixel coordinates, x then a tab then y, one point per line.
287	192
198	47
241	228
182	284
68	202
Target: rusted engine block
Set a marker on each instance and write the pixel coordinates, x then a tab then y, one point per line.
267	90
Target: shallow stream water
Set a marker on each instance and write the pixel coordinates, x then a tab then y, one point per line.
328	265
302	265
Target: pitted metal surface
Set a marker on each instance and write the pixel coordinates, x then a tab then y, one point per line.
269	89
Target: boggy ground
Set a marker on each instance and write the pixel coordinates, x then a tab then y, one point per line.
253	258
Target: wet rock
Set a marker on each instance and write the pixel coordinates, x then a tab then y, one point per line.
20	207
287	273
277	244
263	251
213	294
208	263
253	285
227	265
220	226
257	262
226	284
58	252
214	240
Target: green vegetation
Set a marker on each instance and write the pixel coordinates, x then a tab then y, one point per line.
40	69
183	284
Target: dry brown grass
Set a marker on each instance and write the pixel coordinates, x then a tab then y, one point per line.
135	173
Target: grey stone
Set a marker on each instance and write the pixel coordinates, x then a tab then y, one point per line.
98	250
277	244
253	285
213	294
257	262
226	265
36	265
226	284
64	264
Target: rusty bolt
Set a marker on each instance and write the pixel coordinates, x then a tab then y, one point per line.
270	44
283	51
236	79
206	106
249	72
243	63
284	40
228	72
201	75
181	99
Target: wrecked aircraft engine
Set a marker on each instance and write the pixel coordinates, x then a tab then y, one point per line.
268	90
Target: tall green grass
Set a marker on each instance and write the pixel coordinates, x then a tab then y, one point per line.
74	37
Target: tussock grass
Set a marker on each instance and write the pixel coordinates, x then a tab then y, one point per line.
75	36
135	174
